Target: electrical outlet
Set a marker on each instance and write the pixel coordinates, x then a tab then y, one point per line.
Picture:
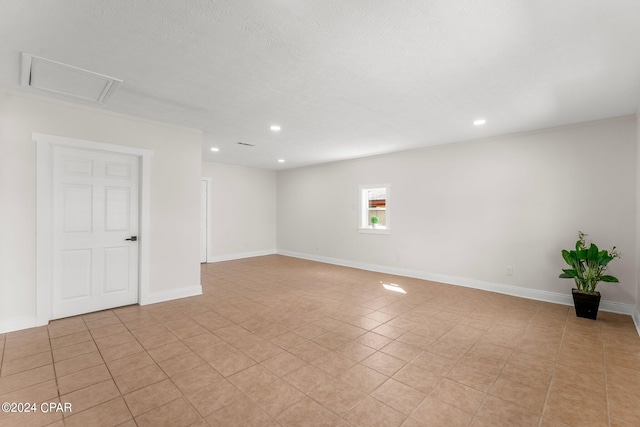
509	270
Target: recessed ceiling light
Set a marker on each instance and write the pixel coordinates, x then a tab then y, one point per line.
275	128
216	149
479	122
280	160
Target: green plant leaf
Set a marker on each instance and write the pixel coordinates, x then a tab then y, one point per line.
569	257
587	265
569	273
605	260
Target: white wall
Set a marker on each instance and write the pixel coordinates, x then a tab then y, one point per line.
175	194
242	211
466	211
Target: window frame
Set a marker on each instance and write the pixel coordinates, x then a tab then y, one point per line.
363	210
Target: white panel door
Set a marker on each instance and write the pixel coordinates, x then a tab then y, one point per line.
95	216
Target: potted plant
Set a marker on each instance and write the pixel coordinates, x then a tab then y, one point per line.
588	265
374	221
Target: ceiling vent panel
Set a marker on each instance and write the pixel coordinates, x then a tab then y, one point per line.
51	76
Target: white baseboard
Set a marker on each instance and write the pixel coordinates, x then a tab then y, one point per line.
636	319
240	255
535	294
12	325
156	297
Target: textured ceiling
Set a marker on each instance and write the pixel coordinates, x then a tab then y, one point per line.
343	78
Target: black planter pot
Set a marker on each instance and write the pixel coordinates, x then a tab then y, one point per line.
586	304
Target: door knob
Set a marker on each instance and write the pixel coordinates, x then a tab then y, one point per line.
133	238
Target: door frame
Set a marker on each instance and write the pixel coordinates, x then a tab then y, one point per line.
44	215
209	182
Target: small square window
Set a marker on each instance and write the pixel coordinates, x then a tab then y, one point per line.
374	209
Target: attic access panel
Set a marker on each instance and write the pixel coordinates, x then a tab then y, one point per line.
56	77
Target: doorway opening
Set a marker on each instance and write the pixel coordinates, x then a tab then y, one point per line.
205	219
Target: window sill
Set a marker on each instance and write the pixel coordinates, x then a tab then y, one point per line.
370	230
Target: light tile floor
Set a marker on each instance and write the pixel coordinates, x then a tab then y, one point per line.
282	341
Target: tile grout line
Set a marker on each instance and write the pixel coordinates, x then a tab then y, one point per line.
107	366
553	372
488	392
182	396
606	382
53	366
2	356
